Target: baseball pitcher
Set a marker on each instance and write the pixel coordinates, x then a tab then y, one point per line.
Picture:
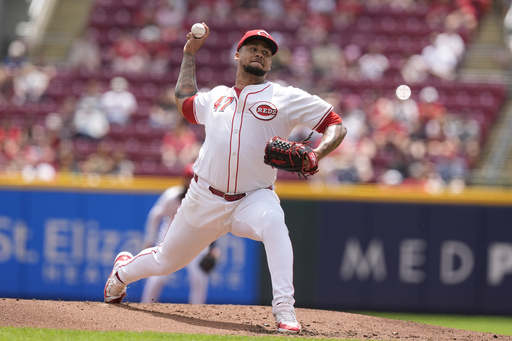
233	185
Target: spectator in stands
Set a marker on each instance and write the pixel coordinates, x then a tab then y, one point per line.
450	164
356	167
16	55
465	15
85	53
31	81
90	122
164	112
271	9
315	29
406	114
66	161
6	84
371	155
99	162
180	146
346	13
123	167
326	7
53	124
66	110
158	50
328	59
354	118
429	106
471	151
12	138
39	156
440	58
414	69
352	53
145	14
374	63
92	93
118	103
169	17
301	67
128	55
450	38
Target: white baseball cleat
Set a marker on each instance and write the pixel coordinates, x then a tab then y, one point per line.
115	289
286	321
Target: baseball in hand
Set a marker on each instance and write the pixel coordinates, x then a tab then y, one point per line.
403	92
198	30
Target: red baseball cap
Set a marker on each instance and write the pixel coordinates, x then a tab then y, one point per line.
258	35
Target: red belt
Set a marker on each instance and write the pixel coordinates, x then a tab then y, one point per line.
227	197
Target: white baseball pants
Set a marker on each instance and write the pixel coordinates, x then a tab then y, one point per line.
202	218
198	281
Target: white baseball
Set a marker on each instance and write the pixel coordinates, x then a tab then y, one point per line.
198	30
403	92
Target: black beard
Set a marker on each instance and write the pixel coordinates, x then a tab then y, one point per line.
254	70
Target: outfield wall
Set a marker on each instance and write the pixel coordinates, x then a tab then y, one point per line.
59	242
356	247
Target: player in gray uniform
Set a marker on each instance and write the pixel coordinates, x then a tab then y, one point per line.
233	189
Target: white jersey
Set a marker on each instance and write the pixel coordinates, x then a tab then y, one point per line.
238	127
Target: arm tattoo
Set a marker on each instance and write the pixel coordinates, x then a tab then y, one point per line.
186	85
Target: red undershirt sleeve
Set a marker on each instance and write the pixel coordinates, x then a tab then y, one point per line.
331	119
188	110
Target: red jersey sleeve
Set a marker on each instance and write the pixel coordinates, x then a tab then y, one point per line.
329	120
188	110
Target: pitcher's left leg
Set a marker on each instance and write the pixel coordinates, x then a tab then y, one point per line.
260	217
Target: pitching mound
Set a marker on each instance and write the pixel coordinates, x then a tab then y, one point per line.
217	319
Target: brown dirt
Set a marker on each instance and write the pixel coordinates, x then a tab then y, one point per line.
218	319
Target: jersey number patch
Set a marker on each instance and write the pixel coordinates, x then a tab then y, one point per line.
222	103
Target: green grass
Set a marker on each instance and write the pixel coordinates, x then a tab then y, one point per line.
487	324
17	334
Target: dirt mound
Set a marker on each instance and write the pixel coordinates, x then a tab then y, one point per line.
217	319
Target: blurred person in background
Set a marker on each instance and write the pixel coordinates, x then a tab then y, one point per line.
164	113
123	167
440	58
180	146
85	53
118	103
158	221
16	55
373	63
31	82
66	160
414	69
90	122
328	59
99	162
92	93
39	155
128	55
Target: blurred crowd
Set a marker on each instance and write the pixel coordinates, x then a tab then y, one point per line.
417	141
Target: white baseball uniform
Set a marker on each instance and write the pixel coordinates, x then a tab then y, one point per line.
238	125
159	218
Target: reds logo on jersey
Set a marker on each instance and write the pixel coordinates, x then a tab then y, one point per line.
263	111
